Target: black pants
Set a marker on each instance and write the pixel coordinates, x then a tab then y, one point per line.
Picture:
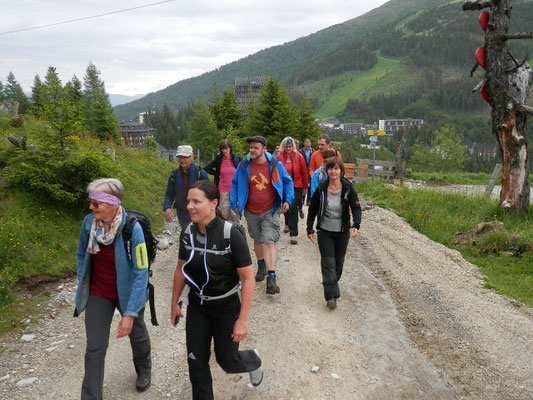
98	316
332	247
291	216
214	321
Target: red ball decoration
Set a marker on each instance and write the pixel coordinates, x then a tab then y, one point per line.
484	20
483	93
480	57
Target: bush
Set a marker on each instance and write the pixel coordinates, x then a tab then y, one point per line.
49	178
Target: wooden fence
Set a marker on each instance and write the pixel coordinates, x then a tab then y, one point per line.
362	170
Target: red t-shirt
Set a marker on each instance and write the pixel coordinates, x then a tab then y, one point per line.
262	194
104	275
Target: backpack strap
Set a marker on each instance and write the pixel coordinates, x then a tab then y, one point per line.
127	232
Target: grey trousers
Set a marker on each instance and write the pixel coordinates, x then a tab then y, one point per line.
98	316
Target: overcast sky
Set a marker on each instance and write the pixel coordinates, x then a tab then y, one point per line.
147	49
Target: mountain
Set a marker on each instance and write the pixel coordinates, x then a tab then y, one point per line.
407	58
118	99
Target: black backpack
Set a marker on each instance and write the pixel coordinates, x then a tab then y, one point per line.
151	243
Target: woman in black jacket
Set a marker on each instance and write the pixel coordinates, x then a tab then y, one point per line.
222	168
331	204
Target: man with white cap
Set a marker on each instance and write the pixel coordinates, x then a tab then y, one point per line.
178	183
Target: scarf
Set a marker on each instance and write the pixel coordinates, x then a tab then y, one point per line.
97	234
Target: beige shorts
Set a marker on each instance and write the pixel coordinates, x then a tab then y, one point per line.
224	208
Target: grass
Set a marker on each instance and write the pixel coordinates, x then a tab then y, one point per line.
440	215
39	238
459	178
362	85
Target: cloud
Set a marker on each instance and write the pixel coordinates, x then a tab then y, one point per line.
148	49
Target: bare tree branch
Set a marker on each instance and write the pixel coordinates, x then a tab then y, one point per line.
473	69
521	35
476	4
479	85
525	108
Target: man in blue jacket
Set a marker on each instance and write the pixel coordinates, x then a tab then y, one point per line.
261	188
178	183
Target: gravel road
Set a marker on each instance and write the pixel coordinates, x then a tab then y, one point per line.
414	321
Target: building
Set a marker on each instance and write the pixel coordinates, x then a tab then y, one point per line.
486	151
248	89
394	125
134	134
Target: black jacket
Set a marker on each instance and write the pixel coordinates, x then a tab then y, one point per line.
213	168
349	200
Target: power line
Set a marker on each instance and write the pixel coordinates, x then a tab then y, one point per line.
85	18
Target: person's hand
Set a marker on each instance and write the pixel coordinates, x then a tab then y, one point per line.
236	211
354	232
240	329
285	207
175	311
169	214
311	237
124	327
304	192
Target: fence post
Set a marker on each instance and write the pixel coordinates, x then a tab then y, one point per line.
495	173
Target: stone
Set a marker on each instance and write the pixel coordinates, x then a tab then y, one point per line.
27	338
26	382
315	369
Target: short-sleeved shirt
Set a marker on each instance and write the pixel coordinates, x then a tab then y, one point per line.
262	193
227	170
222	269
103	281
332	218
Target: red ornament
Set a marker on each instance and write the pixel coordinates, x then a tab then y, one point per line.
484	20
483	93
480	57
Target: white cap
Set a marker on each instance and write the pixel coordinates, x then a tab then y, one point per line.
185	151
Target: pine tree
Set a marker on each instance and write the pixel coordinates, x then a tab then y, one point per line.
37	97
307	126
2	96
274	116
13	92
74	94
97	111
203	133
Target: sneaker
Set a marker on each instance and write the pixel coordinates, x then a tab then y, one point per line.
272	288
286	229
332	303
301	212
294	240
261	271
256	376
144	380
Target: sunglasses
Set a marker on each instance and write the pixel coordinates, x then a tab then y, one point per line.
94	203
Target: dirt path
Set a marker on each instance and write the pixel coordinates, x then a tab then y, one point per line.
413	322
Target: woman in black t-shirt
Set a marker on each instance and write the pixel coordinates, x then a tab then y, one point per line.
214	260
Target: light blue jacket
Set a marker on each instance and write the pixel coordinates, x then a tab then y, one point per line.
281	181
132	275
314	180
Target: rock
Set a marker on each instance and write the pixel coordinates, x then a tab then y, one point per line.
26	382
163	243
315	369
51	349
5	377
27	338
335	376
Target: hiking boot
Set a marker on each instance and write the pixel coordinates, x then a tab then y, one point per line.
294	240
272	288
286	229
256	376
332	303
144	380
301	212
261	271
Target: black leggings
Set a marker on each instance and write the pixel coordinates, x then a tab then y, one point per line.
332	247
209	321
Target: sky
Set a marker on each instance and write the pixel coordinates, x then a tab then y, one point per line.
155	43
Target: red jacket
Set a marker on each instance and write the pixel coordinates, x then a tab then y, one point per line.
299	170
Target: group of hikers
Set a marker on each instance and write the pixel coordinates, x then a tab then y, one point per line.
214	260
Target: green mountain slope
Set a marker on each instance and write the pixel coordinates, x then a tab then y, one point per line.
418	47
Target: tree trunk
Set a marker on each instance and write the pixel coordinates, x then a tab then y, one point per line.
507	86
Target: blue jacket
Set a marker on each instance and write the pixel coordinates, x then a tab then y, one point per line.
174	191
314	180
281	181
132	275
